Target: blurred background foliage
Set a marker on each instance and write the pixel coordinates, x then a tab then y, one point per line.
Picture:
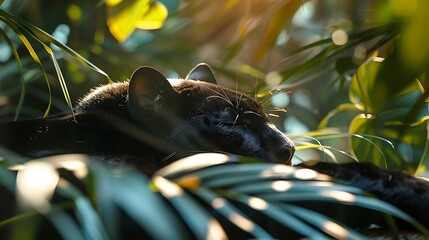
347	80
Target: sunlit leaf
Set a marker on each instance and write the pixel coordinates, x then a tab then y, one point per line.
414	44
25	30
200	221
124	16
233	214
32	52
363	149
18	61
368	94
386	32
292	222
363	86
343	107
61	80
345	198
278	21
47	37
194	162
410	142
324	223
154	18
268	187
57	69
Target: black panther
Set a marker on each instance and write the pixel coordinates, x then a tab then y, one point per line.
151	121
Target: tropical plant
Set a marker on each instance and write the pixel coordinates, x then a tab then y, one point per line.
189	199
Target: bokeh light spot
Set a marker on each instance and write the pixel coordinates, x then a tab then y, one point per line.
340	37
281	186
280	100
273	79
257	203
36	184
74	12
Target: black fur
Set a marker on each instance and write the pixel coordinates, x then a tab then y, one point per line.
406	192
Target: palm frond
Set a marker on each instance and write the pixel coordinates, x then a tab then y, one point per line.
219	198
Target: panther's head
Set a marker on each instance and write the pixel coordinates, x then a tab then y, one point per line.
197	115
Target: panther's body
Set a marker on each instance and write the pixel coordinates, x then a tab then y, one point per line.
151	121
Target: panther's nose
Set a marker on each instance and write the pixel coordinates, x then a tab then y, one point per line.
281	148
284	155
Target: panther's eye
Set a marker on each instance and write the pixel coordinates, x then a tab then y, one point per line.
231	116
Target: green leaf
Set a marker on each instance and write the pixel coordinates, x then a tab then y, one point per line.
87	216
414	43
278	21
5	17
130	190
202	224
57	69
226	175
283	217
44	36
195	162
386	32
25	30
99	184
326	224
410	142
261	188
230	212
343	107
65	225
393	111
367	150
18	61
363	86
345	198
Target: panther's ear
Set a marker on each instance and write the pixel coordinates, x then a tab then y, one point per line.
147	88
202	72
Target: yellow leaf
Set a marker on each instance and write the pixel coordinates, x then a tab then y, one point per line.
281	17
415	46
124	16
153	18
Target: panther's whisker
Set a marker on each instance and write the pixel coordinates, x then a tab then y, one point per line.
226	95
277	110
222	98
252	112
168	157
273	115
235	120
240	98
